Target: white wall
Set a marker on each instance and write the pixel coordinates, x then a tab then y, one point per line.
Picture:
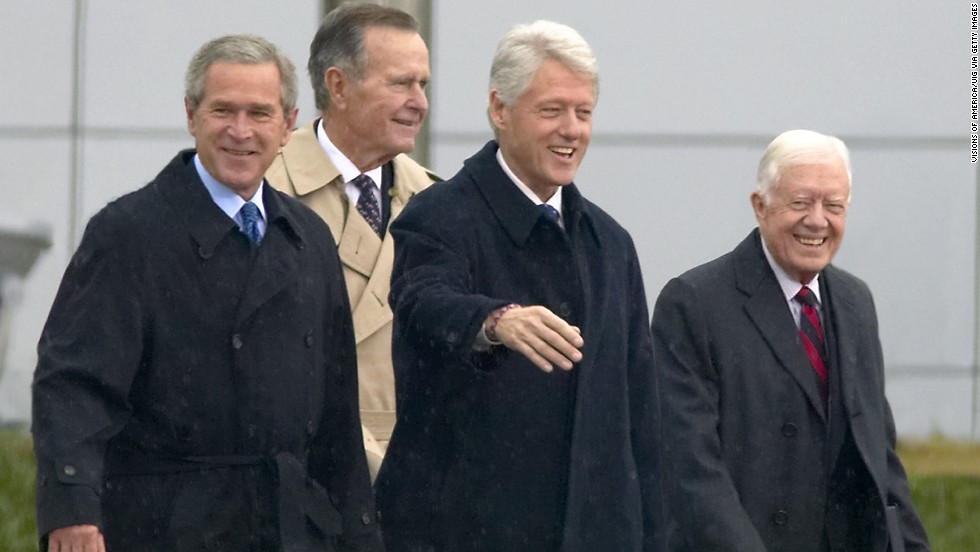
691	93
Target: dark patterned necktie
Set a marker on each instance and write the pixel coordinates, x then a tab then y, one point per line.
811	332
367	204
250	222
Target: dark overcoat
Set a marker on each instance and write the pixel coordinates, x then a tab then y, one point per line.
753	459
463	470
193	390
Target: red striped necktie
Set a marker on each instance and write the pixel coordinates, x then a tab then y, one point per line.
811	332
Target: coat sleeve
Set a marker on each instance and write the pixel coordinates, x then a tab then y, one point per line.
644	400
901	518
337	458
432	280
88	355
701	500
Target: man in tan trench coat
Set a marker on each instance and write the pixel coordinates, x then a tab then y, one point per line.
369	67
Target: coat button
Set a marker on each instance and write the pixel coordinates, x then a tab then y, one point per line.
236	341
789	429
565	309
780	517
309	427
308	339
69	470
366	518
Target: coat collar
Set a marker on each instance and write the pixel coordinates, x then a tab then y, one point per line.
766	307
310	168
511	207
180	184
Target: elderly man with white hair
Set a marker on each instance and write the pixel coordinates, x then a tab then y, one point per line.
777	436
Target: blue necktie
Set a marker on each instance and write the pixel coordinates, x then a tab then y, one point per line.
367	204
250	222
550	214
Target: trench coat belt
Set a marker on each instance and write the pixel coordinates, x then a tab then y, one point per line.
299	496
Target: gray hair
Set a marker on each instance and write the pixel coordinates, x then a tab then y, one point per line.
524	48
339	42
244	49
794	147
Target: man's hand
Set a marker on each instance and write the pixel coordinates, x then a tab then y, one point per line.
76	538
541	336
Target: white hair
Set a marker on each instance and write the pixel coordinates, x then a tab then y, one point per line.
524	48
794	147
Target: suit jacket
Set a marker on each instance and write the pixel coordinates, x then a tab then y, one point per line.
754	460
304	171
192	387
480	458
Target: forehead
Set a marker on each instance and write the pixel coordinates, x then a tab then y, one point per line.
254	82
825	176
390	46
554	81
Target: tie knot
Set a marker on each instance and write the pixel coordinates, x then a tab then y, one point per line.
549	212
805	296
364	183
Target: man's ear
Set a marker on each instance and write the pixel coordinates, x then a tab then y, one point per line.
338	86
758	205
190	114
495	110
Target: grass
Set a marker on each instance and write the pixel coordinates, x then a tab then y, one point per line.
944	477
945	480
17	529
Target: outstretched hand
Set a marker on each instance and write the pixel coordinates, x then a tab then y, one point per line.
541	336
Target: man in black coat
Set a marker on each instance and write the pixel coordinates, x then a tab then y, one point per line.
777	436
525	393
196	383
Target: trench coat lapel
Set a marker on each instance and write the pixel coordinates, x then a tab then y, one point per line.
276	263
767	309
372	311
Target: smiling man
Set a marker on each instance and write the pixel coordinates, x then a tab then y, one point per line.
526	399
369	68
196	381
777	436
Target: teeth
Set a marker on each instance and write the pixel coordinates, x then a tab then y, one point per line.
563	151
239	152
811	241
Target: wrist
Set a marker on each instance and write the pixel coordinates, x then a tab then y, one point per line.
490	324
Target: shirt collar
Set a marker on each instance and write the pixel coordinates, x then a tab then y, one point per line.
790	286
554	200
223	196
348	170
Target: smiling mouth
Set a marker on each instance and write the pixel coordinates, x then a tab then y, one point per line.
562	151
405	122
811	241
240	153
